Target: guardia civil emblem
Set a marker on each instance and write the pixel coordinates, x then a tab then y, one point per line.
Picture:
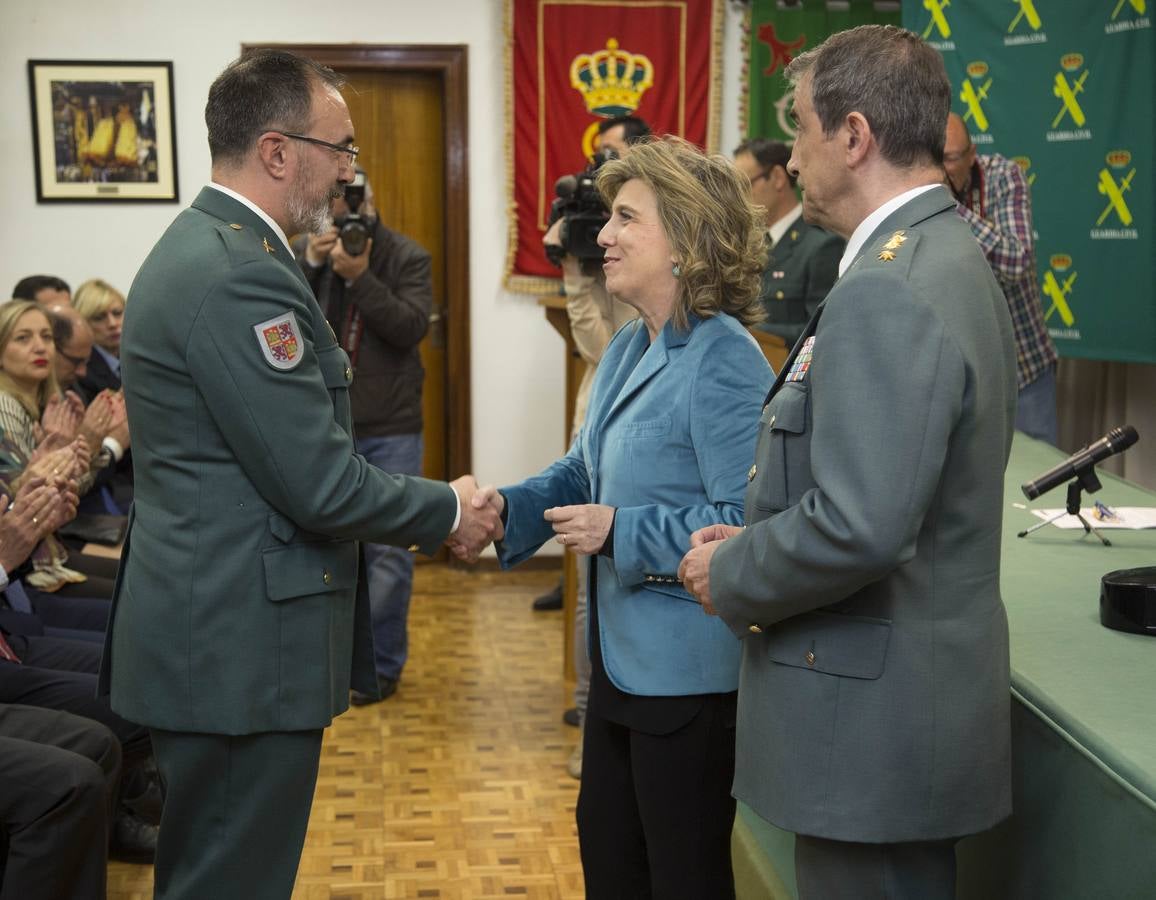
280	341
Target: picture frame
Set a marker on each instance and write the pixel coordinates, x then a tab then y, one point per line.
103	131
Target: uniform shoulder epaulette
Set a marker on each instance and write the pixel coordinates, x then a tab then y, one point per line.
893	252
244	242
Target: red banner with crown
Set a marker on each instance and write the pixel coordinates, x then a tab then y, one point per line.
574	63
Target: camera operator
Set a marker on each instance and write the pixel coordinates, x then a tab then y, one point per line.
594	318
374	287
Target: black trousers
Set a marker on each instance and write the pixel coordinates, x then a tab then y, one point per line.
101	572
655	812
56	781
57	673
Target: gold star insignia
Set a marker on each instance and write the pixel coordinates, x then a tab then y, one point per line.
886	255
895	242
794	235
269	248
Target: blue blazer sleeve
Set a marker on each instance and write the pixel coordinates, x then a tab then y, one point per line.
564	483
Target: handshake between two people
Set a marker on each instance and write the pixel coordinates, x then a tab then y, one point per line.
583	527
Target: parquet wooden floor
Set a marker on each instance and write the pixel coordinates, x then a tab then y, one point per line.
455	787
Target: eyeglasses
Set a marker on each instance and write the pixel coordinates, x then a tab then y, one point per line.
351	152
75	360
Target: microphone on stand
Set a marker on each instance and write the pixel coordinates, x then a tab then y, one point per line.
1115	441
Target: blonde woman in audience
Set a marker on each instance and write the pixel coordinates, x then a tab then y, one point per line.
35	420
103	306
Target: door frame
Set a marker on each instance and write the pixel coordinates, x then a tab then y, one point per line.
450	63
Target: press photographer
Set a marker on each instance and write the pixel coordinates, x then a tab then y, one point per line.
374	287
578	207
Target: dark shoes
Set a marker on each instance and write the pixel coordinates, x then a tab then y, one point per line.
571	717
133	840
387	686
552	600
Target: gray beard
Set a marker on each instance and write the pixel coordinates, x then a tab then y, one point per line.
306	217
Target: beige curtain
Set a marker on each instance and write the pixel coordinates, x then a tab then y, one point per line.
1094	397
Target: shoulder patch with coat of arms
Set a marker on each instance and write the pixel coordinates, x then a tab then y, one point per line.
280	341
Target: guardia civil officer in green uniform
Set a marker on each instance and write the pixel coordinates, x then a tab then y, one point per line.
874	715
235	633
802	259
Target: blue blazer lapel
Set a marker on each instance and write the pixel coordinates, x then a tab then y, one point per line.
654	360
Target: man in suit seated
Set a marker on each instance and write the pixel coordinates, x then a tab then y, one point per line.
803	259
874	709
58	774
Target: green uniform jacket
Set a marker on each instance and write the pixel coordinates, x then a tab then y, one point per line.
874	699
235	609
800	270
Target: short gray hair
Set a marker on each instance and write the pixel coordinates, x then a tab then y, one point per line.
891	76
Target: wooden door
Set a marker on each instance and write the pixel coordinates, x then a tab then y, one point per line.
398	119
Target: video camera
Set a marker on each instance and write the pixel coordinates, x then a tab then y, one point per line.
580	207
353	230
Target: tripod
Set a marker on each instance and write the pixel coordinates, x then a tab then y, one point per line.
1085	480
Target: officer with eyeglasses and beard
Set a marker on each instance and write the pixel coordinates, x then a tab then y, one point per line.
236	630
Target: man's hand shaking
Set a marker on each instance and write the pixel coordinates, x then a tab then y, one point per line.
480	523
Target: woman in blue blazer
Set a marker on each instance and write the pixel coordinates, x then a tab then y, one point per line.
664	451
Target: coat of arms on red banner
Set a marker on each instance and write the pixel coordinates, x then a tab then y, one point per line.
575	63
280	341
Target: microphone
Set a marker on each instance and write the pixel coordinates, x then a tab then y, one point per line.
566	186
1115	441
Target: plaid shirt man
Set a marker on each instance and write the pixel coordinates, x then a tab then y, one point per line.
997	208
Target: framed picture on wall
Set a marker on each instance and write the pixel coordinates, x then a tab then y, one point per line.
103	131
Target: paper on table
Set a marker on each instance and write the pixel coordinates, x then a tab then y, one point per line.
1127	517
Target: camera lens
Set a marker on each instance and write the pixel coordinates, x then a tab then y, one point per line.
354	236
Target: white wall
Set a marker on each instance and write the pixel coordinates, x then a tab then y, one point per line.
517	358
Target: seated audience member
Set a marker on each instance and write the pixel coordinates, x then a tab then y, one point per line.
57	673
103	306
60	774
105	422
37	508
28	398
673	410
47	290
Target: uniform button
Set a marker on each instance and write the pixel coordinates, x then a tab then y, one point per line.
752	472
413	548
234	226
754	629
348	374
778	295
650	578
325	576
810	657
